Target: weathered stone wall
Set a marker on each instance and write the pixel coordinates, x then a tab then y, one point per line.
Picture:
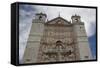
33	43
82	42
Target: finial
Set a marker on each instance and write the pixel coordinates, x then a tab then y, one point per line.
75	14
59	14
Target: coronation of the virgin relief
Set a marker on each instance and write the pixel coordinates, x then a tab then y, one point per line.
56	40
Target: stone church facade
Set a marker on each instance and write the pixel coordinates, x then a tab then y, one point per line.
56	40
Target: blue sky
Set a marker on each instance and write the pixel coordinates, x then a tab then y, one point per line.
27	13
92	42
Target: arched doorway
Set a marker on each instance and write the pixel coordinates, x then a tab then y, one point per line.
60	49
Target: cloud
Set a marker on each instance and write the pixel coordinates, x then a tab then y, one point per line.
25	19
88	15
27	13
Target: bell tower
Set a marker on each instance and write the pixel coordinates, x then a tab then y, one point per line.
76	19
40	17
33	43
81	39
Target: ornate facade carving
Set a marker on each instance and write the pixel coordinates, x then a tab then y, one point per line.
57	44
57	40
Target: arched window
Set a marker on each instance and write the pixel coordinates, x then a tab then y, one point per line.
59	45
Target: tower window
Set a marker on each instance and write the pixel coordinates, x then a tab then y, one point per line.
40	17
76	19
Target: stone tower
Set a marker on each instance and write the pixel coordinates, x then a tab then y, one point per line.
56	40
33	43
81	38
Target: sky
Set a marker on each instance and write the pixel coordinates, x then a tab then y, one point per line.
27	13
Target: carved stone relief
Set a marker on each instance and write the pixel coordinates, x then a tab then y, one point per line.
57	45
